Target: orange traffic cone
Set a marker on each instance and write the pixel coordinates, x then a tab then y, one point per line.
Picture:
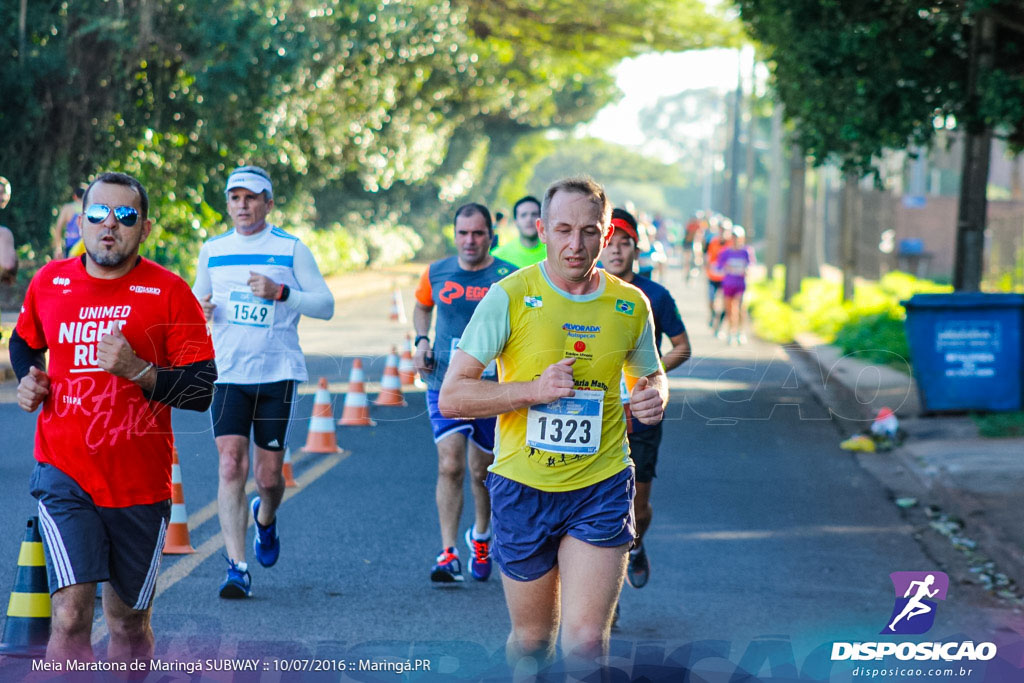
321	437
286	468
390	385
28	613
397	307
406	367
356	412
177	541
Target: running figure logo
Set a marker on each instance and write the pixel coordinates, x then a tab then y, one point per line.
916	592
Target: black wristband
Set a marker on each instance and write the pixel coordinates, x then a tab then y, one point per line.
285	291
417	340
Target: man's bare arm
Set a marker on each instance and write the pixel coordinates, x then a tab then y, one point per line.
465	395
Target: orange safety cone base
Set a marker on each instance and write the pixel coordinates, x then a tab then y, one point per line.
177	541
289	476
357	422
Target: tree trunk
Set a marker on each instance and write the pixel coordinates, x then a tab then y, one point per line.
773	229
848	231
795	224
1016	173
970	227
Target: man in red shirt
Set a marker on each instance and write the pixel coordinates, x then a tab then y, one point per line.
126	342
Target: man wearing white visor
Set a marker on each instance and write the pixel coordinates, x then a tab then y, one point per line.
254	283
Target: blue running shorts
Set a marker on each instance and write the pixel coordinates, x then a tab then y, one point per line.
528	524
480	430
86	543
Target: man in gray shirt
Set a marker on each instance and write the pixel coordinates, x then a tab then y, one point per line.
455	285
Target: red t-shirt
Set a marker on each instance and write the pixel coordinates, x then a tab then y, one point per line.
99	429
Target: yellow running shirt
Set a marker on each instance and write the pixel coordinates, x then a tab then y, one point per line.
528	324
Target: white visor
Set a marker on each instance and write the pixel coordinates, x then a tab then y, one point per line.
253	182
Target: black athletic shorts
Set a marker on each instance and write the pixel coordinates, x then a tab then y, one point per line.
262	410
643	448
86	543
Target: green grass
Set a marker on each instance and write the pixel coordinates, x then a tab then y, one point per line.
1000	425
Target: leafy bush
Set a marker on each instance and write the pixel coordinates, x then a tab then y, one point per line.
338	249
870	326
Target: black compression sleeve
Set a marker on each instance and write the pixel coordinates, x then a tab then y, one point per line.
24	356
189	387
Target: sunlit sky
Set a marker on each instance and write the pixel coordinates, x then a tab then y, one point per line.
645	79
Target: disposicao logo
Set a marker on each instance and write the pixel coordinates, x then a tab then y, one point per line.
916	594
913	613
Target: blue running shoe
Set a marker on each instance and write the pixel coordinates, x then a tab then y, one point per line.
480	564
238	584
448	568
265	542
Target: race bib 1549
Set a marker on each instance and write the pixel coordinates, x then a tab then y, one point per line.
244	308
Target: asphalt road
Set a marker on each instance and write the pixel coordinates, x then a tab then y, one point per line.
768	542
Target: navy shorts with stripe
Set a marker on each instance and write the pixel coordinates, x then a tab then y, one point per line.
262	410
87	543
528	524
480	430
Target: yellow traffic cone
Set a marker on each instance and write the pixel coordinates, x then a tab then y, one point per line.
28	613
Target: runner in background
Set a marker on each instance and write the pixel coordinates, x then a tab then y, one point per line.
454	286
644	440
528	249
8	253
67	231
693	245
733	262
126	342
720	239
254	283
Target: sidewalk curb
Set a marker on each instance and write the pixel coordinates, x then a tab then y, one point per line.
832	389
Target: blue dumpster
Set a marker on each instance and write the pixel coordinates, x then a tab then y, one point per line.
966	349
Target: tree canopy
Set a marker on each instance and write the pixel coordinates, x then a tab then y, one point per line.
377	111
862	77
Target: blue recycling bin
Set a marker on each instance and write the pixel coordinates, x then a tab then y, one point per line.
967	349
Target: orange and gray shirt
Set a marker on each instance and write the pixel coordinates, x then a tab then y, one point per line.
455	292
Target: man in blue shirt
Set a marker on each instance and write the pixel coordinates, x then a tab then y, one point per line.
617	258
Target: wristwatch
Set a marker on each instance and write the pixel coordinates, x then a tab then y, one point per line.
416	342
